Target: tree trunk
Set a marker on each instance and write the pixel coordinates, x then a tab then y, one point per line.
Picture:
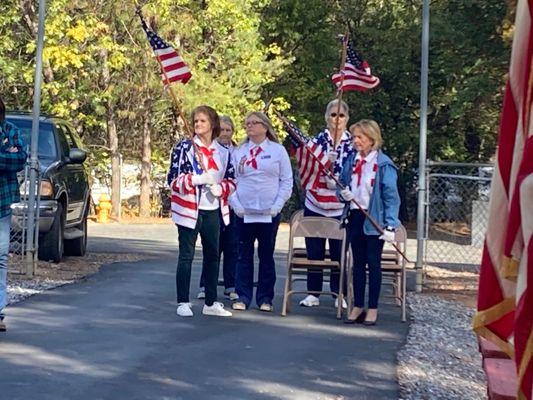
115	161
146	166
112	138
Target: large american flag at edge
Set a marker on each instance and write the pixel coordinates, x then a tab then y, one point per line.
356	71
505	297
174	68
309	166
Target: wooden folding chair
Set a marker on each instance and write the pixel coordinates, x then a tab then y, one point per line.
298	265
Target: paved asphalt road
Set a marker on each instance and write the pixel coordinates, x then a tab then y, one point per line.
116	336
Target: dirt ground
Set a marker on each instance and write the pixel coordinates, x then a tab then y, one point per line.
74	268
459	287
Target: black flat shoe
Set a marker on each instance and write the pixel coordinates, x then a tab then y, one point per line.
370	323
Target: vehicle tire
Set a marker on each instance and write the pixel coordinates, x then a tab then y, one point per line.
77	247
51	244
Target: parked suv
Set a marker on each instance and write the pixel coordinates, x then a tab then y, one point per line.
64	188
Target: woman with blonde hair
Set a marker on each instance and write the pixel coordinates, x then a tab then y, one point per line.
264	184
370	177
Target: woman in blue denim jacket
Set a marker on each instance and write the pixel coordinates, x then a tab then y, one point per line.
369	177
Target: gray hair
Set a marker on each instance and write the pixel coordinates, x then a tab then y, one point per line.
227	120
334	104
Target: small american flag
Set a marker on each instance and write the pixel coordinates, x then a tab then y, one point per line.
356	71
173	67
311	159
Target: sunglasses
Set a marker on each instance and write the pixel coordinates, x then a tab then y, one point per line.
253	123
333	115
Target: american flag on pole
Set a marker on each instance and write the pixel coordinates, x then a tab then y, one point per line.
311	159
173	67
505	296
356	74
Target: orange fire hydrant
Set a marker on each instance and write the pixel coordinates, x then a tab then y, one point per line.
104	208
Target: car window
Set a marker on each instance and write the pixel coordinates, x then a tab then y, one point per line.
63	142
70	137
47	144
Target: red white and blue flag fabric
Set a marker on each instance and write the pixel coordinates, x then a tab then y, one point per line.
505	296
173	67
355	74
310	159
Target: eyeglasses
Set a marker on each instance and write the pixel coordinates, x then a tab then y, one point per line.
252	123
333	115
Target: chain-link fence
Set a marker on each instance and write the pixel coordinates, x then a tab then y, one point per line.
19	224
457	213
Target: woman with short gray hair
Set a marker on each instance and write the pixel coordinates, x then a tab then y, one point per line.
321	200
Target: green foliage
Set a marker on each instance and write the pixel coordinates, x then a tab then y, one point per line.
245	52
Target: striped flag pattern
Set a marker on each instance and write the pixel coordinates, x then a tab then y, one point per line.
356	74
173	67
505	296
310	159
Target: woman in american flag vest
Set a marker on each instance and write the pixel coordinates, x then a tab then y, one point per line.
201	178
228	233
370	177
333	146
264	184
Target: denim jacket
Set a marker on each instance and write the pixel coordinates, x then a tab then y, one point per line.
384	201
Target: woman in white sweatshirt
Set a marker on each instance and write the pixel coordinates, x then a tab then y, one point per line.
264	183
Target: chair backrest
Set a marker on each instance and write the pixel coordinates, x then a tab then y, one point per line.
401	234
389	252
317	227
297	215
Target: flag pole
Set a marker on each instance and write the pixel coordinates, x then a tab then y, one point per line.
177	104
345	39
332	176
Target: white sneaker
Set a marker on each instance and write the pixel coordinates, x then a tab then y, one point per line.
310	301
216	309
239	306
184	310
344	304
201	294
231	294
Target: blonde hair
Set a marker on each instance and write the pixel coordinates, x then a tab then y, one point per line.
271	133
371	130
334	104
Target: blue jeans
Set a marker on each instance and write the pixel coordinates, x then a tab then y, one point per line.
316	250
5	223
265	233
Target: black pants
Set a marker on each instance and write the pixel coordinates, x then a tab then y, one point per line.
366	250
228	248
316	250
208	225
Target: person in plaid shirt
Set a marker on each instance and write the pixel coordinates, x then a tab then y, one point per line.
12	160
